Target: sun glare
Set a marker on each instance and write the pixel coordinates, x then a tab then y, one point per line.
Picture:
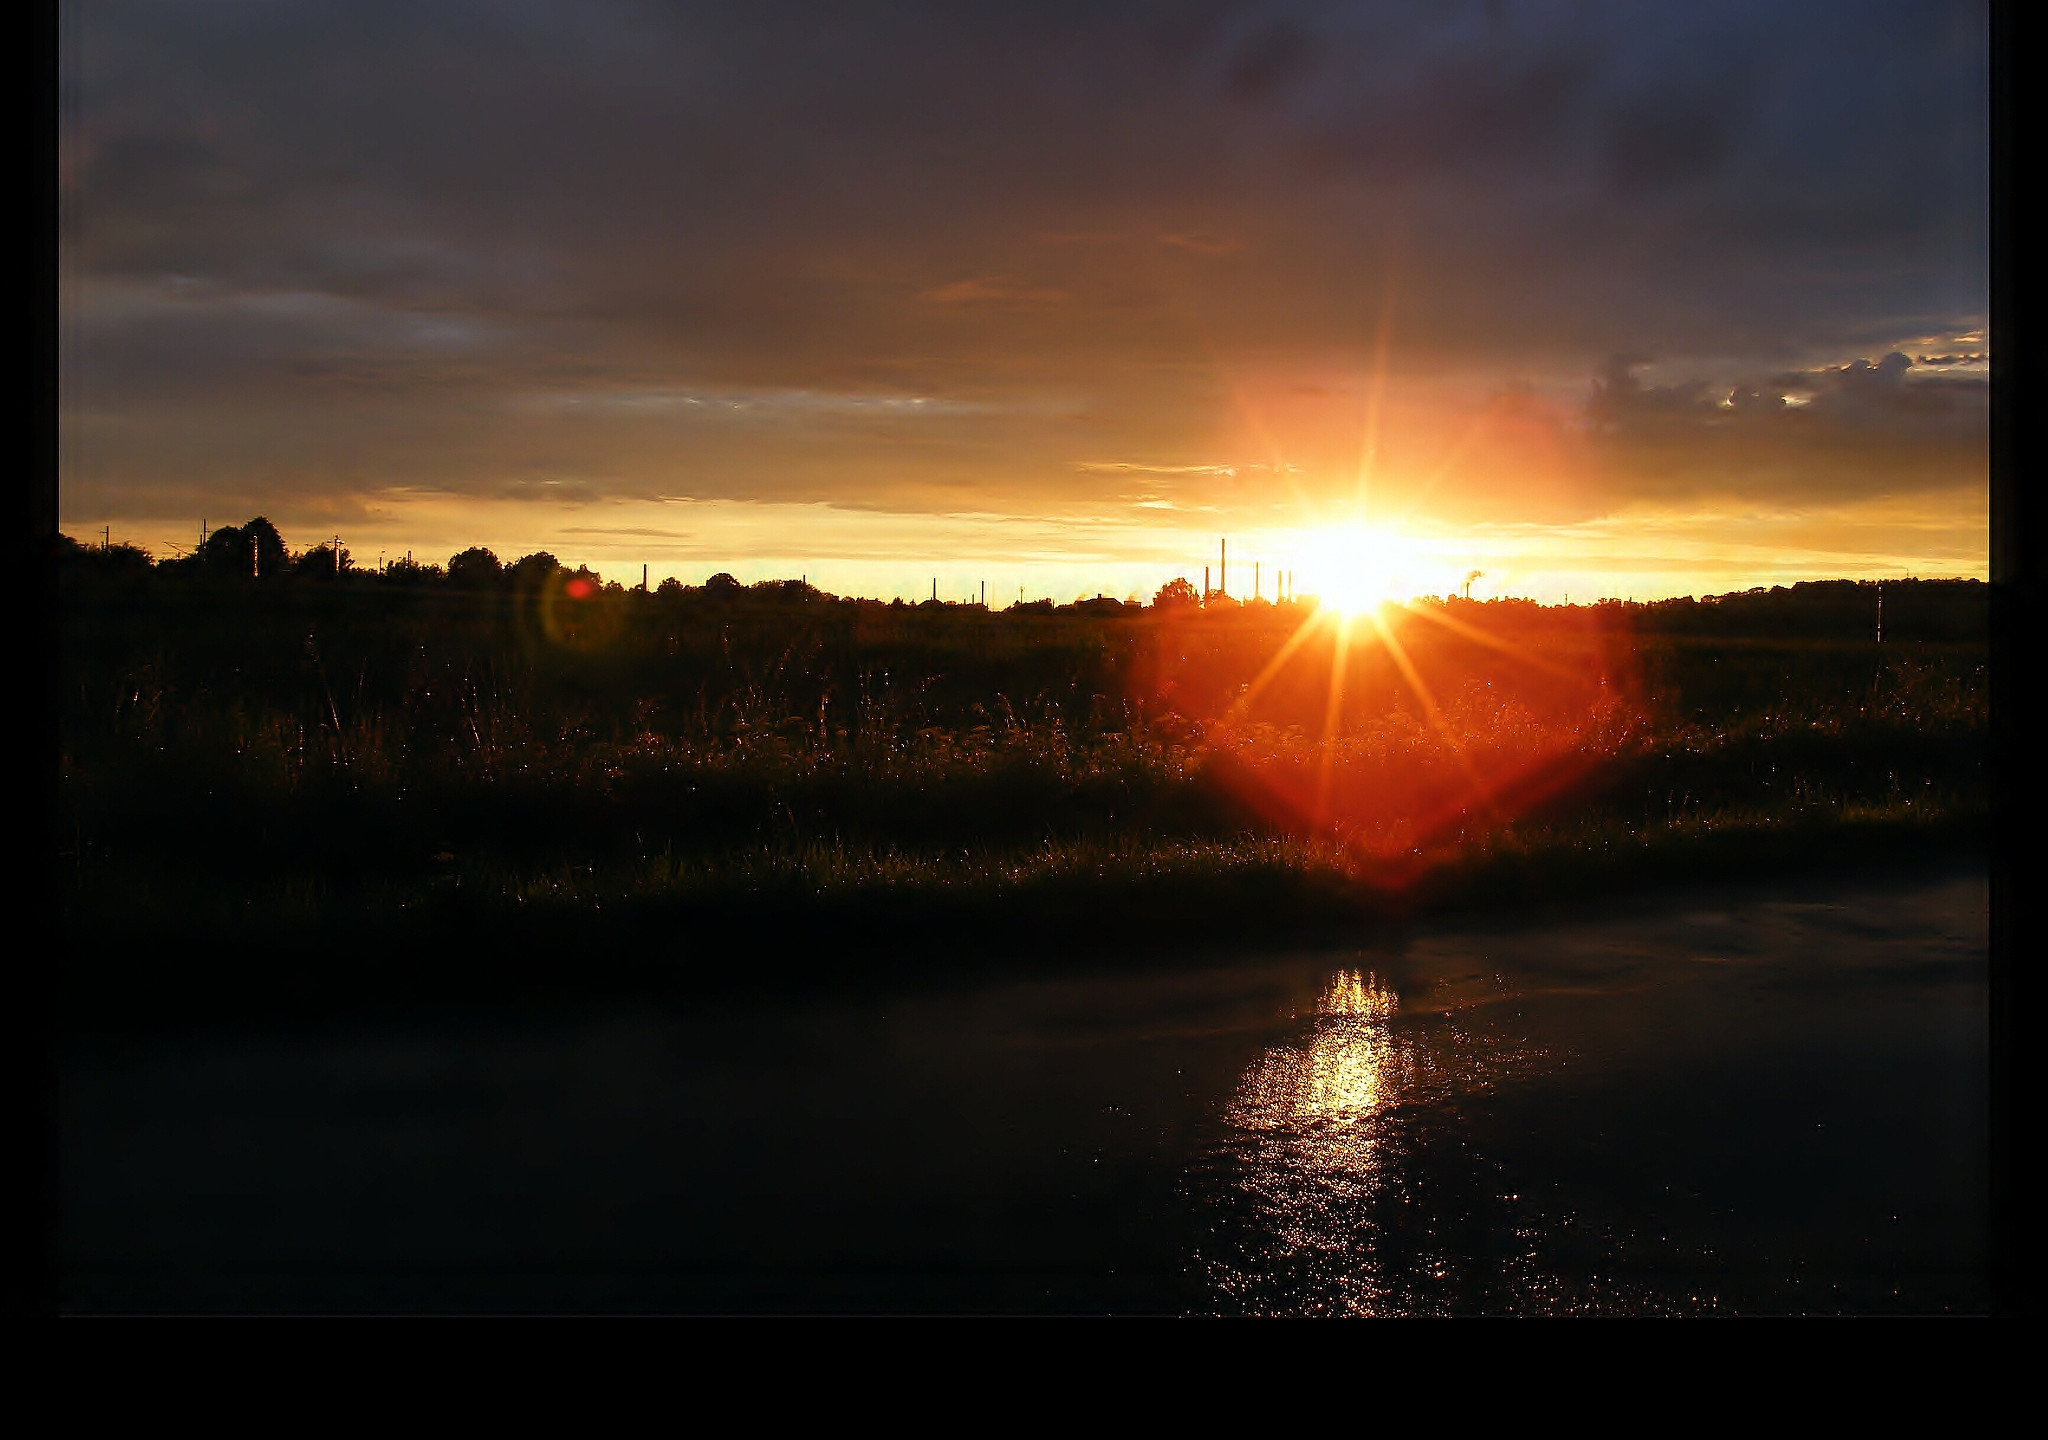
1352	568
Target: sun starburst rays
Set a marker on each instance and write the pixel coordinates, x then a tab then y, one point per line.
1493	765
1399	654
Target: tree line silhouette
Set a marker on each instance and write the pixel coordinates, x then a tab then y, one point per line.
1901	609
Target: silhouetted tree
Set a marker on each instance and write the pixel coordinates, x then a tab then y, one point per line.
530	572
268	545
723	587
475	569
1175	594
248	550
226	552
582	582
788	592
116	559
322	562
410	572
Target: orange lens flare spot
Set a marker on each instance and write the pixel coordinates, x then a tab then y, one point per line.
579	589
1410	741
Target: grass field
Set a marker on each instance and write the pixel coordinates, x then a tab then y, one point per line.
440	786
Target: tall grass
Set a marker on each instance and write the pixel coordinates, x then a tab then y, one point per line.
336	762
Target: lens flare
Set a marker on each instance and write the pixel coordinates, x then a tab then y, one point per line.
1412	733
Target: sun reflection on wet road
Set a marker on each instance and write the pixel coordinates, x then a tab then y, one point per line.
1332	1087
1307	1176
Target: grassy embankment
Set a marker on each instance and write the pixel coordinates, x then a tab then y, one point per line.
346	779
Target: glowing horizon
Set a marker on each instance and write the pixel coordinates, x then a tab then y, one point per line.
1644	555
1155	290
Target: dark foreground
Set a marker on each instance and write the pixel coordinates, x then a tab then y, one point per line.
1765	1100
312	797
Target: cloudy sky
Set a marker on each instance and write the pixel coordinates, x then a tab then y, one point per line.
1606	298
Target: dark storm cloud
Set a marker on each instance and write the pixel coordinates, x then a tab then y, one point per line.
1849	431
432	211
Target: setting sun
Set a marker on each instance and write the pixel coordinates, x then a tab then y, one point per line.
1353	568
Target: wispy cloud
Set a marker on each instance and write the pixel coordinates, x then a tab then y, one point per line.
1133	467
715	402
642	532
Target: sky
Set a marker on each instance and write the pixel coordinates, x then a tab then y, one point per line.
1592	299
